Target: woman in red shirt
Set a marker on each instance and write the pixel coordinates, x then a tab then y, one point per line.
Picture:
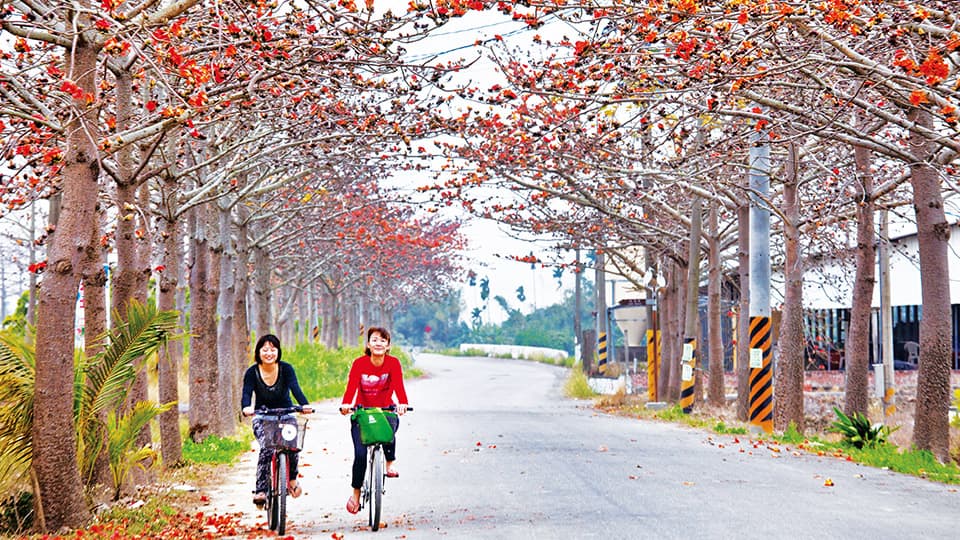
374	379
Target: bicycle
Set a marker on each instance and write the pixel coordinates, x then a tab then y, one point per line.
371	493
284	434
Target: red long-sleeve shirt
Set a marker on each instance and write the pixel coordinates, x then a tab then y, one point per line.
374	386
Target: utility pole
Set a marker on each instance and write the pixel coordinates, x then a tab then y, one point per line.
886	318
601	293
760	406
577	300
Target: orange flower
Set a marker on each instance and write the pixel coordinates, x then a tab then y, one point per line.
918	97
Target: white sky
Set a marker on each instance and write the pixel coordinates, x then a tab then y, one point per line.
491	246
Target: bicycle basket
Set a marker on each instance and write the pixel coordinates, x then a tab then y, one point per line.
374	427
285	433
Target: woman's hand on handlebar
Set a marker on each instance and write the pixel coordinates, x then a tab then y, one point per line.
346	409
401	409
250	410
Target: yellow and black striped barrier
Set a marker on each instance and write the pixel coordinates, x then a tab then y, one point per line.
653	364
602	351
761	374
688	379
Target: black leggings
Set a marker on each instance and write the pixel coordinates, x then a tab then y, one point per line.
360	451
266	456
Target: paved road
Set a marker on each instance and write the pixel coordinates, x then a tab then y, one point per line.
493	451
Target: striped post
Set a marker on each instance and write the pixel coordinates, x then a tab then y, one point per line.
889	405
688	364
602	351
761	374
653	364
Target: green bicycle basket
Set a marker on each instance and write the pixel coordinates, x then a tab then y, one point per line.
374	427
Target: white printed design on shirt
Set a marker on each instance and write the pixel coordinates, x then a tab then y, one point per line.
374	384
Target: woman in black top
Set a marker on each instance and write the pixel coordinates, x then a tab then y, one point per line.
272	382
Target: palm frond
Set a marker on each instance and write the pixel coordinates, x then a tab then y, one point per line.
17	377
122	440
110	372
17	369
16	454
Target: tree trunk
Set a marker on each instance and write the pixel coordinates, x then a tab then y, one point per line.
94	326
169	357
675	332
241	354
931	424
32	279
715	392
691	326
857	346
788	398
204	397
262	293
331	323
226	302
53	434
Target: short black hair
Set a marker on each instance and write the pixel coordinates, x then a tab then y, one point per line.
271	339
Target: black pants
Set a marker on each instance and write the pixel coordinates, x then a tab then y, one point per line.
360	451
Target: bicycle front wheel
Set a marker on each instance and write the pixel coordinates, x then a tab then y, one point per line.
272	502
376	487
283	477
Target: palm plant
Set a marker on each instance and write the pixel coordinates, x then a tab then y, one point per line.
122	441
101	384
858	431
16	410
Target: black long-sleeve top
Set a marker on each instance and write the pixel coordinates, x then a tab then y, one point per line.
275	396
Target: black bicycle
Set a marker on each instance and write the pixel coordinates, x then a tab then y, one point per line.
371	493
283	433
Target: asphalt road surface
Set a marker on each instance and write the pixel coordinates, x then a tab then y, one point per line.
494	451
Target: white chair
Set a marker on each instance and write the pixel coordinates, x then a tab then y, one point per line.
913	351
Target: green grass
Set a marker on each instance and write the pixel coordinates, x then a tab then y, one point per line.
215	449
723	429
577	386
920	463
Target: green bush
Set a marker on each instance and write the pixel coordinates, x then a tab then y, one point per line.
857	430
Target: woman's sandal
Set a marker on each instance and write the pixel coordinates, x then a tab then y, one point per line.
260	499
294	489
353	505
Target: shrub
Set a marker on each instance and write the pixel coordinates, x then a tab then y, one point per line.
577	386
857	430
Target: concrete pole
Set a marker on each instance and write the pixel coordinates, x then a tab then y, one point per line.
688	359
761	368
601	293
886	317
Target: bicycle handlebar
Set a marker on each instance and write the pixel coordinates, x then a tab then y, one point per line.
264	411
390	408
